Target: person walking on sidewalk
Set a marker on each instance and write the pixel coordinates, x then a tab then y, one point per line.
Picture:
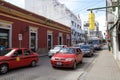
109	46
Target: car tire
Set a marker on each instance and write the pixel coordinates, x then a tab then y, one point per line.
33	63
53	67
74	65
3	69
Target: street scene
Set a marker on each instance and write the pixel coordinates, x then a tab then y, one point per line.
59	40
44	70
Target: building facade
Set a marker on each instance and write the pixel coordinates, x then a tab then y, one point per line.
21	28
52	9
92	33
113	26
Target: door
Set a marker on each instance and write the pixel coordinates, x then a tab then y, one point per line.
60	40
4	38
79	55
33	42
49	41
16	59
28	57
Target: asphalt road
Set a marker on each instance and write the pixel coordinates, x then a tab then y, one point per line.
44	71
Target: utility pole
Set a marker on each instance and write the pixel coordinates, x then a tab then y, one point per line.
117	5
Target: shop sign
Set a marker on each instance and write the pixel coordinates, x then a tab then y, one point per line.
20	36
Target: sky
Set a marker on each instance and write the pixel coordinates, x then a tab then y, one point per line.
80	7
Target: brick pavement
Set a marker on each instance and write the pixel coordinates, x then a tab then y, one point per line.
104	68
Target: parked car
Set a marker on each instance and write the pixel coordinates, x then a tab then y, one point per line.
17	57
67	57
55	49
87	50
78	45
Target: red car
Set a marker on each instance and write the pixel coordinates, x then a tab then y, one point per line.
17	57
67	57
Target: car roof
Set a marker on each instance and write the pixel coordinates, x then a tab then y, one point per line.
72	47
17	48
60	45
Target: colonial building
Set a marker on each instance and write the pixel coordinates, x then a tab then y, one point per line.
21	28
53	9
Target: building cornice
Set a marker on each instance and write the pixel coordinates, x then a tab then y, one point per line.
31	18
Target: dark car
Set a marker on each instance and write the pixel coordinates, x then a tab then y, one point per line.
87	50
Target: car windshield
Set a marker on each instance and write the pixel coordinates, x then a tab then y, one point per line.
95	42
67	50
85	47
57	47
7	52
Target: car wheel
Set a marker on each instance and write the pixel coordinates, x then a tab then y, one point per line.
33	63
3	69
53	67
74	65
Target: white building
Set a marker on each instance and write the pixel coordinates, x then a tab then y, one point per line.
113	26
52	9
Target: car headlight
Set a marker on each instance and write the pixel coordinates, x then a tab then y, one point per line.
53	58
69	59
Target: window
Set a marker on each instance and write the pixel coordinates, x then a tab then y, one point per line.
18	53
78	26
26	52
72	22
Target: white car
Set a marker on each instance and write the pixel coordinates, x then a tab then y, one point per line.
55	49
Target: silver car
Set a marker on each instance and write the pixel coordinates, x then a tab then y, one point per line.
55	49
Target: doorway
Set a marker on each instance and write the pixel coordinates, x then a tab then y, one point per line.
49	41
33	41
4	37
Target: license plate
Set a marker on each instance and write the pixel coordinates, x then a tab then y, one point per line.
59	63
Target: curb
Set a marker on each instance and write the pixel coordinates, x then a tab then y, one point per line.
118	63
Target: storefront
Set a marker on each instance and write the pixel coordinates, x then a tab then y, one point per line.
5	34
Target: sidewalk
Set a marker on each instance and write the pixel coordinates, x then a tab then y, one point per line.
104	68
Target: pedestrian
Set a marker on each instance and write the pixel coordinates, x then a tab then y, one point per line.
109	46
2	48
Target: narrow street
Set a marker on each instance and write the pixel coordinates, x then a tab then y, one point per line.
30	28
44	71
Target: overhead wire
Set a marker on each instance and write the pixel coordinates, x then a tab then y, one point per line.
76	11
